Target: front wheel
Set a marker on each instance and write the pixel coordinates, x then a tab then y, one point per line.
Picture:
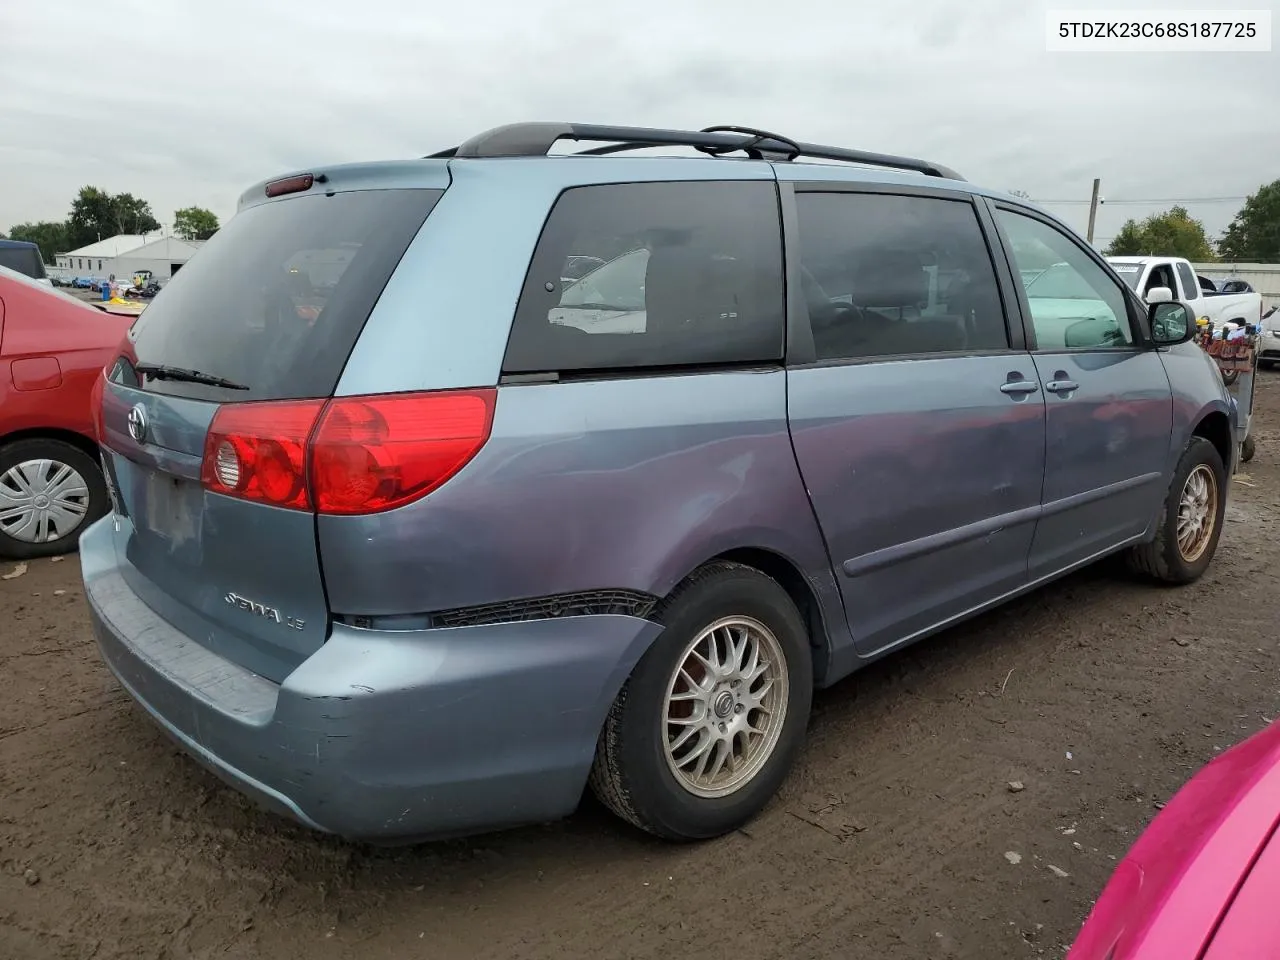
706	728
1230	376
1191	520
49	492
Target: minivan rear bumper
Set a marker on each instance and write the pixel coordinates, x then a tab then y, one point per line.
380	735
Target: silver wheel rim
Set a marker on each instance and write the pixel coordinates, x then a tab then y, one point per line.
1197	513
725	706
42	501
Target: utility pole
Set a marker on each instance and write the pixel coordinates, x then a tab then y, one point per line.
1093	208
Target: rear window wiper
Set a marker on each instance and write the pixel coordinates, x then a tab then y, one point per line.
160	371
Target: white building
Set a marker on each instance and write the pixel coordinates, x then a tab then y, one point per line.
126	254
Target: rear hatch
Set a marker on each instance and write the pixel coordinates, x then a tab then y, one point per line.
248	340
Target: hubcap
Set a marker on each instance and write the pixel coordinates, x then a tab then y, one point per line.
42	501
1197	513
726	703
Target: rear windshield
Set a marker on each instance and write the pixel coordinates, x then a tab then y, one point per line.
276	299
25	260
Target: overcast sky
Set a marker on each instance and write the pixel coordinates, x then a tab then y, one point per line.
188	101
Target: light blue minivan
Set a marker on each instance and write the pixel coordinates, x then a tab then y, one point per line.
508	472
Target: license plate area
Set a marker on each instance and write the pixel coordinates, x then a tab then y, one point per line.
172	507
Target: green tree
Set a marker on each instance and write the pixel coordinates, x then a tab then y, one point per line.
1174	233
96	215
1254	234
134	215
49	236
195	223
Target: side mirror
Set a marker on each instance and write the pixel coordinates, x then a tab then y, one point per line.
1159	295
1171	322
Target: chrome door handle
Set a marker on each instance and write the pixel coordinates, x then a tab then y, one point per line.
1019	387
1061	386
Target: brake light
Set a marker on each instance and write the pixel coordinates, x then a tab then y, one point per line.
377	453
278	188
258	451
348	455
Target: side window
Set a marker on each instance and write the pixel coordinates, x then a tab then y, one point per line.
1190	285
637	275
1160	276
1075	305
888	275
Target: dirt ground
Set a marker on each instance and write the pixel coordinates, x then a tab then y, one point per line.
894	838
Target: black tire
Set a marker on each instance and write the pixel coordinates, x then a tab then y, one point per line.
1162	559
1247	449
631	774
1230	377
59	451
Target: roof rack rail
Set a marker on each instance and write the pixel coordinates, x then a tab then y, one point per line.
536	139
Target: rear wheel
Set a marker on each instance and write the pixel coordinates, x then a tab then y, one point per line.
1247	449
1191	521
707	726
50	491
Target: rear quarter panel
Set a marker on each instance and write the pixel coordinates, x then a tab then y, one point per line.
617	484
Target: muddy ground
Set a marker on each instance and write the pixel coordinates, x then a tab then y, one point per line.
893	839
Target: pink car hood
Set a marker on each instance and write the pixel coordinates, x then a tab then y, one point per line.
1209	850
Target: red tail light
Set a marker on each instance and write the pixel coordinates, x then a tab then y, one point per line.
377	453
258	451
349	455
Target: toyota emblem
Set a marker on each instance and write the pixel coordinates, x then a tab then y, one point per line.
138	423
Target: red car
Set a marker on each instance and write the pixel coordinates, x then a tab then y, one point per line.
52	349
1203	880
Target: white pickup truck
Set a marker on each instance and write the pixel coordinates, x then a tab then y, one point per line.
1145	273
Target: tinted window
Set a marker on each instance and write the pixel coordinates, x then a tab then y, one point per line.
889	275
1190	286
653	275
1074	303
25	260
276	299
